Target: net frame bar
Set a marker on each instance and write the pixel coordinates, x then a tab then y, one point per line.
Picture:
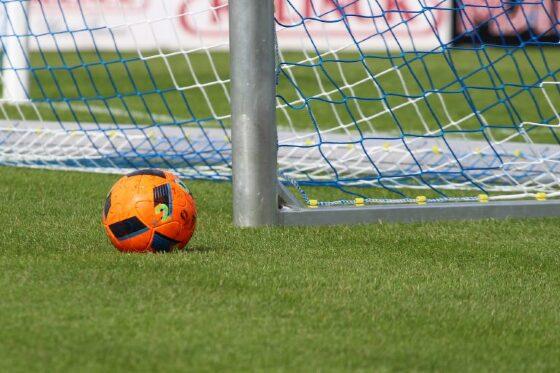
258	200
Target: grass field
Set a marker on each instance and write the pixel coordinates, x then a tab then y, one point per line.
476	296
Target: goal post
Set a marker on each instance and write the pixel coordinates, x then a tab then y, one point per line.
253	91
15	62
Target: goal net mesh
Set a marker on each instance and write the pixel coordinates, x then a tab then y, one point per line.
389	101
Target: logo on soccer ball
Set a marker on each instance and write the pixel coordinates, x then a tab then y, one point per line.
163	210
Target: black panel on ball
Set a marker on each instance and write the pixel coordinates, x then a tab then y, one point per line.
161	243
163	195
128	228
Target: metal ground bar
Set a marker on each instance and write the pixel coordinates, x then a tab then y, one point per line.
418	213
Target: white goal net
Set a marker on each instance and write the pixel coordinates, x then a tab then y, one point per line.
381	101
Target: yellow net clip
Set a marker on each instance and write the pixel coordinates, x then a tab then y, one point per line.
421	200
541	196
483	198
359	202
313	203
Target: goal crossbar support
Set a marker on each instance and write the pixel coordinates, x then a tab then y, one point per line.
418	213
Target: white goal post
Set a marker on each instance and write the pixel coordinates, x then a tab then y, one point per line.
15	78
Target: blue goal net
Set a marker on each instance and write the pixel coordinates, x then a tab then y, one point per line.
378	101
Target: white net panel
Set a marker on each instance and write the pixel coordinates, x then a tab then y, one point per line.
117	85
377	99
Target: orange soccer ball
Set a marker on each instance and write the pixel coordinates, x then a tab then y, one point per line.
149	211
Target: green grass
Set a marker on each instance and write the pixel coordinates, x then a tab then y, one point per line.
442	296
475	296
